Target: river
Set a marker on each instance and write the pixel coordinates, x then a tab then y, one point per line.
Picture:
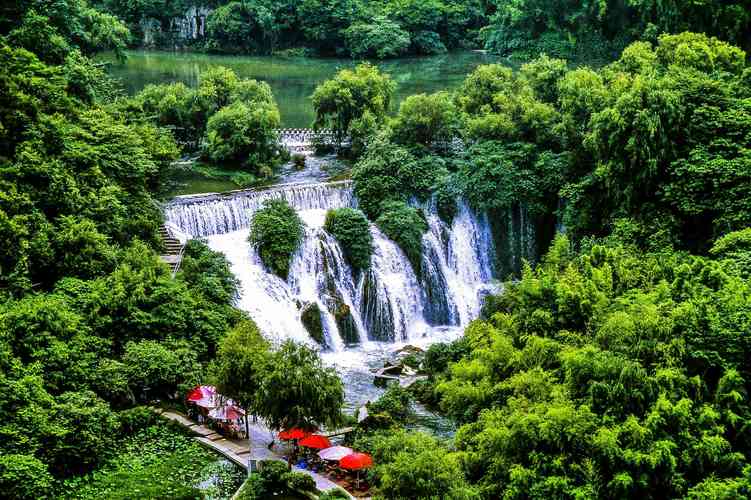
293	79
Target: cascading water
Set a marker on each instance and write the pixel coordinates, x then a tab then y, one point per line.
205	215
388	302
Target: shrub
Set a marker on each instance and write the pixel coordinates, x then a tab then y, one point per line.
299	161
299	481
381	38
333	494
351	229
396	402
23	476
276	231
274	474
383	174
405	225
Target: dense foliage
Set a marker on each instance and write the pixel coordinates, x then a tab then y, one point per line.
275	479
276	231
576	28
232	121
351	229
608	373
354	28
91	321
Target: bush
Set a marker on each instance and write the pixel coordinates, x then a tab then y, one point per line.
276	231
405	225
274	474
245	135
351	229
395	402
23	476
299	161
439	355
299	481
382	174
333	494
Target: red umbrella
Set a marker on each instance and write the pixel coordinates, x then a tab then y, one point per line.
295	433
356	461
315	441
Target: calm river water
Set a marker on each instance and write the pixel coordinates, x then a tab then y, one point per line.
293	79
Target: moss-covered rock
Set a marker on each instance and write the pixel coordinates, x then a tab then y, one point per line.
311	320
345	322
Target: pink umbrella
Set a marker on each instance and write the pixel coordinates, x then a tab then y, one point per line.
335	453
227	412
203	396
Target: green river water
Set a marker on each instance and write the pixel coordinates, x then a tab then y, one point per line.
293	79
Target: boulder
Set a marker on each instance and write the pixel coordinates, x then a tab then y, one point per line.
311	320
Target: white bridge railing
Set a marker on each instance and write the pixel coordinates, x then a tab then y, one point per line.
299	140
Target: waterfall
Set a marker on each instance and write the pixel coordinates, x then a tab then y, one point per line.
208	214
388	302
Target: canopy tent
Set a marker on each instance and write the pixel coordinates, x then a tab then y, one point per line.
315	441
335	453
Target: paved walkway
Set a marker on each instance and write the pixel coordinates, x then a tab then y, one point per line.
236	450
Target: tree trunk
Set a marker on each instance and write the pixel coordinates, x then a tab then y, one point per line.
250	445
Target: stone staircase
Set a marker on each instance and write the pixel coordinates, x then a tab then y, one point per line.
173	250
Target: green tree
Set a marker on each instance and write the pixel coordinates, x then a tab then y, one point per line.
349	95
245	135
426	120
298	391
245	27
380	38
24	476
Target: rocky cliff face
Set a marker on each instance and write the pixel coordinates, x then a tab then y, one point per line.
180	31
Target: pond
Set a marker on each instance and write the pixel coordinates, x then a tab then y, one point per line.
293	79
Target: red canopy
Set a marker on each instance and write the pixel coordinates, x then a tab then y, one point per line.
356	461
315	441
201	392
295	433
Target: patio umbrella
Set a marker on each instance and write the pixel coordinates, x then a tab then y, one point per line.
227	412
335	453
315	441
201	392
356	461
294	433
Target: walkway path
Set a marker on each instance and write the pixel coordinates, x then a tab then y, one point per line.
236	450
